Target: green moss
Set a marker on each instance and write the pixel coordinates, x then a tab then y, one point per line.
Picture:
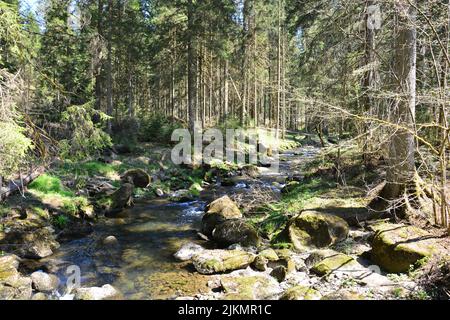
195	189
393	250
89	168
332	263
301	293
61	221
49	184
4	210
40	212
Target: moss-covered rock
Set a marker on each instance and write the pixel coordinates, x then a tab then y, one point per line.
343	295
301	293
13	286
263	258
105	292
31	241
218	211
260	263
396	248
249	285
218	261
121	198
138	177
269	254
8	266
182	195
279	273
235	231
323	262
316	229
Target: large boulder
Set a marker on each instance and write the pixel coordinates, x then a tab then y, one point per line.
44	282
105	292
235	231
219	261
218	211
139	177
316	229
121	198
396	247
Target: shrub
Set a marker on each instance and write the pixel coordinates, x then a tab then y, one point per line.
85	138
14	146
157	128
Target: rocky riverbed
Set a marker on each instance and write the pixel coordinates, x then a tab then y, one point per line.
207	245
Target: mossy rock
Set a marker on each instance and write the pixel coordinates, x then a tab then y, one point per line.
8	266
260	263
301	293
139	177
122	197
249	285
182	195
279	273
396	247
316	229
343	295
219	261
287	263
236	231
12	285
218	211
326	261
270	254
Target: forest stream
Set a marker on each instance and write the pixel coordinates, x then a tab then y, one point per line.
141	263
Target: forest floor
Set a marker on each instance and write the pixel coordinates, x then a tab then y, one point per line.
316	237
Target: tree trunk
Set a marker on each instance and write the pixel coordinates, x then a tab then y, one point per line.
401	170
109	97
192	68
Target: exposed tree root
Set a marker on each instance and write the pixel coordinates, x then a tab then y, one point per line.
419	202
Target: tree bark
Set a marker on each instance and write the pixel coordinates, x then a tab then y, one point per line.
401	169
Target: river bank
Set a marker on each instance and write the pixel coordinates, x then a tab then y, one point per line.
132	253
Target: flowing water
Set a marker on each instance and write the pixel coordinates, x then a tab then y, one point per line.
141	264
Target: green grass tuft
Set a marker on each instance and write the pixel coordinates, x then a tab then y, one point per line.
49	184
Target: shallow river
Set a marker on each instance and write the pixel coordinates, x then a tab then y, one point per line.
141	264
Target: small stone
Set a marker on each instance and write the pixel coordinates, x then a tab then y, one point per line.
159	192
39	296
269	254
260	263
279	273
187	251
106	292
44	282
110	241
